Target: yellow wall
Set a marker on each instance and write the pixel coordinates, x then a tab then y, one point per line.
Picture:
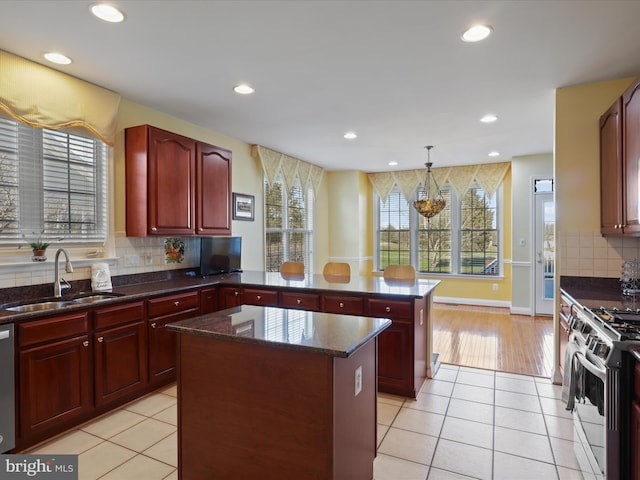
581	250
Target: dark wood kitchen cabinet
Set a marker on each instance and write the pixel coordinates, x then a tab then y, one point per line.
120	352
619	169
229	297
55	384
162	342
611	184
175	185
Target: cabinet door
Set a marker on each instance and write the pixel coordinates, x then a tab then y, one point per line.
54	385
395	358
162	342
213	190
229	297
631	155
611	187
120	366
209	300
171	183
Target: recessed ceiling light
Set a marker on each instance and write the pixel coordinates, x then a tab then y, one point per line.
393	163
107	12
477	33
494	154
57	58
489	118
243	89
350	135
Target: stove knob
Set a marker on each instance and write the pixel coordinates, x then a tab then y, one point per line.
586	328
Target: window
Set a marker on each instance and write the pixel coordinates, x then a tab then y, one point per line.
462	239
288	225
51	182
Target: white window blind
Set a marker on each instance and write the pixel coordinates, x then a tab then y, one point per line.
51	182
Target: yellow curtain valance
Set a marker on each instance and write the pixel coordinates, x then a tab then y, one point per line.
274	163
42	97
488	176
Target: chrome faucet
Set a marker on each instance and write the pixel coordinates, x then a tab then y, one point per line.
60	284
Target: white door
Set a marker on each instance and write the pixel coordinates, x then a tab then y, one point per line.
545	247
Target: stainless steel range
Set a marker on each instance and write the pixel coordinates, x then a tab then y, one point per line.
598	391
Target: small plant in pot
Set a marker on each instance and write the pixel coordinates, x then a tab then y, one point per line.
39	249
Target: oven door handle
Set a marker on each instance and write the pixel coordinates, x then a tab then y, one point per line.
601	373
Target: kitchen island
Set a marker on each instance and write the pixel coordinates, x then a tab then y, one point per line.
273	393
405	350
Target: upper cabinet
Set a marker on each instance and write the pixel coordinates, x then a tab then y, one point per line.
619	169
175	185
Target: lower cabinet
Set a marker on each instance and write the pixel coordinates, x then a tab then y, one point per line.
71	368
635	425
55	384
162	342
120	352
229	297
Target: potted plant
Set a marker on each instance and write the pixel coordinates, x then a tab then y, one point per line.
39	249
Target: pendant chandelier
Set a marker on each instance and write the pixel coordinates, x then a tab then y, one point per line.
430	201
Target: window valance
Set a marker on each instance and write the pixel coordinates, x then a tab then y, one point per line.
488	176
42	97
274	163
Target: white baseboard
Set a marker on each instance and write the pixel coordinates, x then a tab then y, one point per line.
473	301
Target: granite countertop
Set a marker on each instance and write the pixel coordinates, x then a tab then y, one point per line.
323	333
143	286
594	292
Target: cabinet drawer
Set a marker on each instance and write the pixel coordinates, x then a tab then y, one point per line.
304	301
30	333
389	308
173	303
118	314
343	304
255	296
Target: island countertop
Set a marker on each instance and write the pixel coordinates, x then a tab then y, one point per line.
374	285
327	334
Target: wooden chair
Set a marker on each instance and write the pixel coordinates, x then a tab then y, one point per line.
400	272
342	269
292	268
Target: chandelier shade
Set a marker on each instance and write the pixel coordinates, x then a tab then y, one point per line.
429	200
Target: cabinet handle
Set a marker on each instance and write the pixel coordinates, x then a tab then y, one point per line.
236	293
153	229
176	303
258	297
387	309
85	343
299	301
100	339
153	325
341	305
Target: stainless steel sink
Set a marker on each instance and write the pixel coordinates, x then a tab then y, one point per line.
94	298
53	304
36	307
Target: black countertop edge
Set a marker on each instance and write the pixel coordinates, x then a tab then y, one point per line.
331	352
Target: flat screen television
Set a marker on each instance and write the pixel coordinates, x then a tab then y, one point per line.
220	255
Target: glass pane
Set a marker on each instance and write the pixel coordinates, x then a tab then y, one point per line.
548	252
478	234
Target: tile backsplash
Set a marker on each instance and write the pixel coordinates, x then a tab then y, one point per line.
132	255
589	254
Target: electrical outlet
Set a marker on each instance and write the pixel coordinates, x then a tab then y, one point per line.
495	287
358	380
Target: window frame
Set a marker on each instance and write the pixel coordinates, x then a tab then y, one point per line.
456	234
285	230
38	168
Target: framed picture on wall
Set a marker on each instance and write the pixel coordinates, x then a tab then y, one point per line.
243	207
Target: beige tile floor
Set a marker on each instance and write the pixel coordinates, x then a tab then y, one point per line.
466	423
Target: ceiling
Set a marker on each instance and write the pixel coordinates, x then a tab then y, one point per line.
395	72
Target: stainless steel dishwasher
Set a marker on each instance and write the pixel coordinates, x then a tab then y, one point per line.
7	389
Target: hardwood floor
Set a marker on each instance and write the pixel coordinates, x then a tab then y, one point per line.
492	338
